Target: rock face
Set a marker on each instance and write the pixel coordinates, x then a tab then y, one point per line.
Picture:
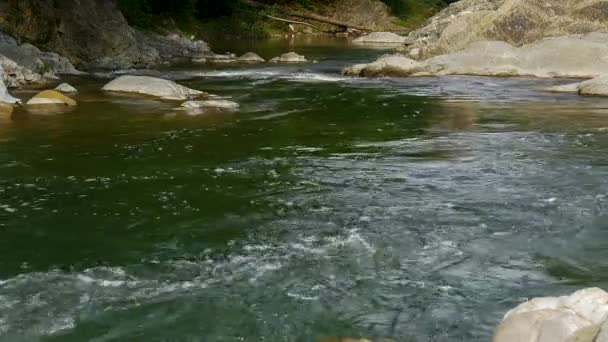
152	86
91	34
25	64
290	57
582	317
380	38
517	22
51	97
567	56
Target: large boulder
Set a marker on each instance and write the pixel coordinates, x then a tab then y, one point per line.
517	22
152	86
578	317
567	56
380	38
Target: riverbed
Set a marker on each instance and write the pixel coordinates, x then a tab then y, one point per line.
415	209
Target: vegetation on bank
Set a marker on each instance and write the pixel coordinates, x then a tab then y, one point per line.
236	17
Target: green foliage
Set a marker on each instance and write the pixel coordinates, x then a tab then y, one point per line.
238	17
414	12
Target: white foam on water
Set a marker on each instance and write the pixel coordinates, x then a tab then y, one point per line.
302	297
314	77
242	73
278	115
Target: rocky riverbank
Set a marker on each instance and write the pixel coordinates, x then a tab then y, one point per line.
503	38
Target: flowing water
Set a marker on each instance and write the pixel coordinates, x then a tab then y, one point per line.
411	209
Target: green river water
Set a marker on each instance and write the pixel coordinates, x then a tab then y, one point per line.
412	209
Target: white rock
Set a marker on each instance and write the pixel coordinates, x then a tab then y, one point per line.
66	88
251	57
556	319
380	38
290	57
152	86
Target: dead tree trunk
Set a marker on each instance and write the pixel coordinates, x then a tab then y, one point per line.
310	16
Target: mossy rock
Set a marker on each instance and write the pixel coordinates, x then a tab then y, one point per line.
51	97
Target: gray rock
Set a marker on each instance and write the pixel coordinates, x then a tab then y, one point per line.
224	104
66	88
251	57
380	38
89	33
290	57
152	86
5	97
15	75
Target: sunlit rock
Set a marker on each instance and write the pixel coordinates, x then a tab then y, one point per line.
152	86
380	38
66	88
51	97
556	319
251	57
290	57
385	65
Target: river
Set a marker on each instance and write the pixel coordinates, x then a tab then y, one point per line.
416	209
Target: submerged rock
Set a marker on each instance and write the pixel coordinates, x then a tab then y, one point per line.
66	88
290	57
225	104
203	107
152	86
581	317
51	97
380	38
251	57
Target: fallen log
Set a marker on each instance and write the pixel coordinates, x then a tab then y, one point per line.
310	16
293	21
